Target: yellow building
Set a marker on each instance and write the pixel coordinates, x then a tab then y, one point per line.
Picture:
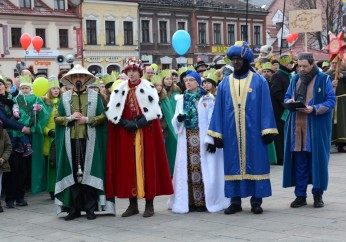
110	34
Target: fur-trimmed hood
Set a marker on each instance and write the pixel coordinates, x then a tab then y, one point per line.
147	97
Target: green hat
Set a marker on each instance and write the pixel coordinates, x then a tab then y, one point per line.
156	79
285	59
25	80
53	82
108	80
267	66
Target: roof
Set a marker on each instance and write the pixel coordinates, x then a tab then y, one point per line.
263	3
7	8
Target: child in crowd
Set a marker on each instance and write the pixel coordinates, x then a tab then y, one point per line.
25	109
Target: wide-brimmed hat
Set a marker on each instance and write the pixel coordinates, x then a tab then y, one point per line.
77	69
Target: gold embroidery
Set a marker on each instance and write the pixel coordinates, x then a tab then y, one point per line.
249	89
246	177
269	131
239	105
214	134
205	105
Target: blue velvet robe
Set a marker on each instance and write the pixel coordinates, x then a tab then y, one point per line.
241	125
319	132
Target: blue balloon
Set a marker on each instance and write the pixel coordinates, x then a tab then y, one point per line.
181	41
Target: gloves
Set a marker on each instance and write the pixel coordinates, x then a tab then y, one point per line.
218	143
211	148
16	114
37	107
129	125
70	124
268	138
141	122
181	117
51	133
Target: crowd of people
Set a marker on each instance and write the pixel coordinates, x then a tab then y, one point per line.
206	137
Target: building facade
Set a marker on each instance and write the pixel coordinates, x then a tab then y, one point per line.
57	22
110	34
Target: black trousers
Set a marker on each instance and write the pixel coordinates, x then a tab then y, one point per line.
15	180
83	197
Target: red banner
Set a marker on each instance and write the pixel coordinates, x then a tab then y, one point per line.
79	39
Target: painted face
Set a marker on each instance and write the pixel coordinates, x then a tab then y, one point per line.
133	75
25	90
55	91
158	87
168	81
237	62
304	66
191	84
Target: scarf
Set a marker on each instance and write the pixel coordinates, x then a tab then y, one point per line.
286	71
190	109
305	80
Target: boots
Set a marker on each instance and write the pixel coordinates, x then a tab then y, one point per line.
149	208
132	209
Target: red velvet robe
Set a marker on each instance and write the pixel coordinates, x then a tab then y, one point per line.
121	164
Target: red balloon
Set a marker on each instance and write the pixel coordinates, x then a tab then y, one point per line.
295	36
37	42
25	41
289	38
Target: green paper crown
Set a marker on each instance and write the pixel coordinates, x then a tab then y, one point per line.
285	59
165	73
156	79
181	70
115	75
53	82
213	75
267	66
107	79
25	79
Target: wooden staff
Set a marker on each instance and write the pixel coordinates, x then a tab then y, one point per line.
337	72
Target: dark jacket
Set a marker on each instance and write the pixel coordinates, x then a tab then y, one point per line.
5	150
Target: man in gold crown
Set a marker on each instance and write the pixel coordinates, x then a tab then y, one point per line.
243	116
137	165
80	148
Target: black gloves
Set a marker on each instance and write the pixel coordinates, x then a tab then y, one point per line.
181	117
268	138
70	124
51	133
141	122
211	148
218	143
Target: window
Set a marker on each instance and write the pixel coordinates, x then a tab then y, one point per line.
111	68
230	34
163	31
181	25
145	31
25	3
202	35
243	33
110	33
128	33
16	33
257	35
91	32
42	34
59	4
63	38
217	34
37	4
284	43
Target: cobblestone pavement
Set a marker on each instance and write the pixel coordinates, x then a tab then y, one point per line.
39	222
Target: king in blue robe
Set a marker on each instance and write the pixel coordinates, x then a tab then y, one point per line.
243	122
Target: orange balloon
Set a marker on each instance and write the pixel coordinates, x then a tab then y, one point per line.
25	41
37	42
295	36
289	38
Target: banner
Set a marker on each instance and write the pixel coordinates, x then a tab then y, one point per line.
5	39
79	41
307	20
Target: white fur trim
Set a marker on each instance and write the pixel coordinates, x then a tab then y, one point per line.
147	97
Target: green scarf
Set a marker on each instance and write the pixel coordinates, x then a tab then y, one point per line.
190	109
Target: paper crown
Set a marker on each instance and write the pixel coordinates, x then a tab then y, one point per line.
165	73
325	64
267	66
108	79
212	77
156	79
181	70
285	59
335	59
25	80
53	82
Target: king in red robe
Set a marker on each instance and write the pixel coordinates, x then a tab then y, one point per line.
137	165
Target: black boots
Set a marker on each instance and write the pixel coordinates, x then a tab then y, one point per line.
149	208
298	202
233	208
132	209
318	202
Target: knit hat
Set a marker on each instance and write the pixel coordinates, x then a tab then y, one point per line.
135	64
275	61
285	59
195	75
77	69
240	48
267	66
268	50
305	56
